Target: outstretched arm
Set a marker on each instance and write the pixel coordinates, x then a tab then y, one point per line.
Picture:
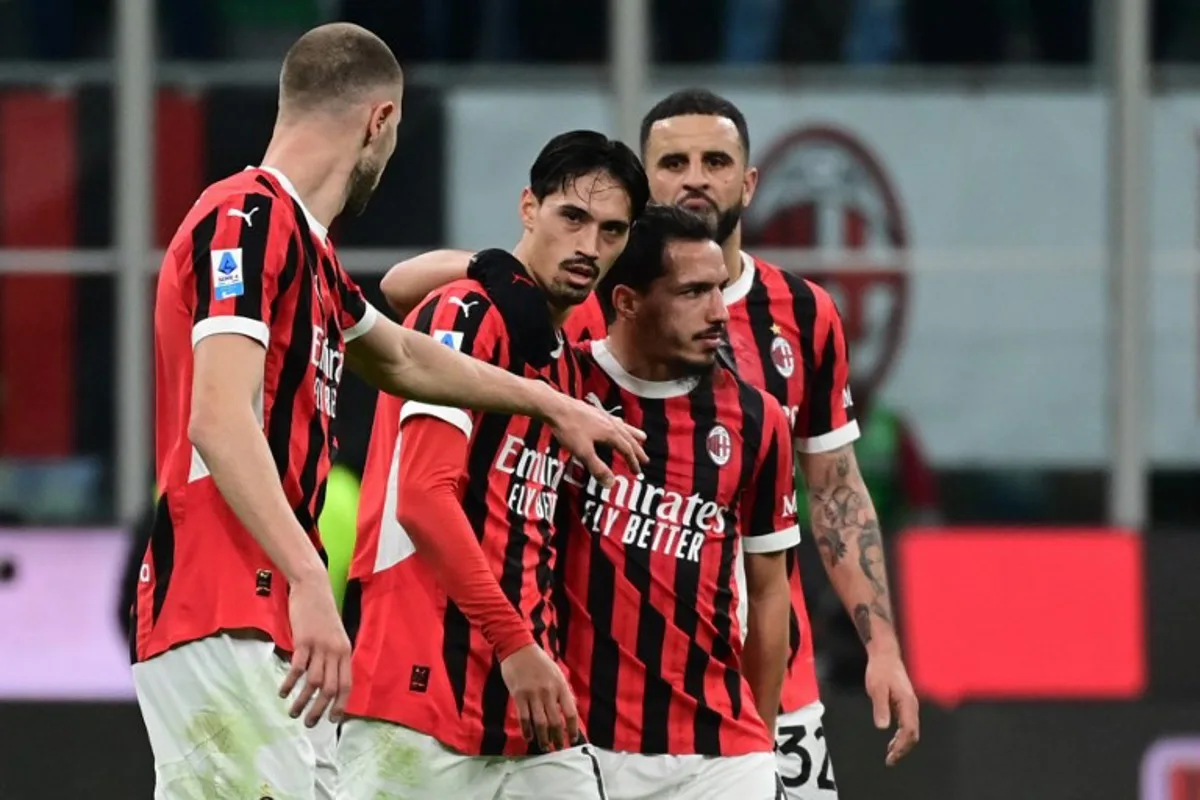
410	281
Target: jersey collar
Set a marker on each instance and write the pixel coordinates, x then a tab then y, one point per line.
651	390
320	230
737	291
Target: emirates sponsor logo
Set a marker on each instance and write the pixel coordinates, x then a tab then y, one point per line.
535	495
328	362
649	517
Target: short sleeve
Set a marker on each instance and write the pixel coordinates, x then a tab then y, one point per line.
356	315
770	500
463	319
586	321
238	251
826	419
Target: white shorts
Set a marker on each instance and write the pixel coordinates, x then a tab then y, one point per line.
634	776
382	761
219	729
803	755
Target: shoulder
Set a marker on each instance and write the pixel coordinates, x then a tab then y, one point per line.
462	306
774	276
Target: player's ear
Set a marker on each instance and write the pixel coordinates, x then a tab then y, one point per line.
625	301
749	185
528	208
381	116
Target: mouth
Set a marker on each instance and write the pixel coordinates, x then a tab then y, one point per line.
697	205
711	340
580	275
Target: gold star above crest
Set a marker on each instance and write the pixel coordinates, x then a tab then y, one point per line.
775	329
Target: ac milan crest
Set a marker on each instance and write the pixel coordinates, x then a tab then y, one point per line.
783	357
720	445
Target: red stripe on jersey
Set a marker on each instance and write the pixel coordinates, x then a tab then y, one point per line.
179	154
649	589
245	261
787	339
586	321
38	190
418	662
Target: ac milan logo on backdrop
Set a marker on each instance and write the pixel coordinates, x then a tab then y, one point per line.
820	189
720	445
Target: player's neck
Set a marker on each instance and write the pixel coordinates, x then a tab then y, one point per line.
521	253
731	249
623	344
315	171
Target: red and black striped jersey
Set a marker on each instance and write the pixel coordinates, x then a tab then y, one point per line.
648	566
786	338
418	662
248	259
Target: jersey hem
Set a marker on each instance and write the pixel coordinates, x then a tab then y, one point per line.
772	542
250	328
829	441
455	416
363	326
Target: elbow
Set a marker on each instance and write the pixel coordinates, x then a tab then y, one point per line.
392	287
413	505
204	429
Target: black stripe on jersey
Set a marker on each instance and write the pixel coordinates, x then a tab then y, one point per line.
804	308
762	515
601	723
753	413
302	332
252	239
293	370
706	726
266	184
162	554
512	581
820	389
202	236
489	433
652	626
758	308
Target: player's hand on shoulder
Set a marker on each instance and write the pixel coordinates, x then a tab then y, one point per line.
545	704
321	652
581	427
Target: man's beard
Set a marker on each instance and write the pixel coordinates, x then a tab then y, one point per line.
363	181
722	223
727	222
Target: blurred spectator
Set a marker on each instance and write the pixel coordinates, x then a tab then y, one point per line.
751	31
876	32
812	31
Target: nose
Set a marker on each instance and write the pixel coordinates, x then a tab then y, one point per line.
695	177
718	312
587	244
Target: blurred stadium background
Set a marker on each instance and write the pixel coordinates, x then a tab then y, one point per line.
1004	196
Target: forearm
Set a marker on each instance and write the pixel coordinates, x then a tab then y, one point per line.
406	284
443	537
417	367
433	455
237	456
765	652
846	529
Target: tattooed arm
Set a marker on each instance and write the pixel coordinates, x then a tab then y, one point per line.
846	529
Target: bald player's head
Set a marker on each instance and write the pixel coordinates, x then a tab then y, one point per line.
336	64
345	74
